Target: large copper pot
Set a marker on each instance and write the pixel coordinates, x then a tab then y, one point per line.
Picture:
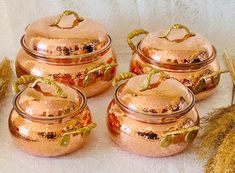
74	50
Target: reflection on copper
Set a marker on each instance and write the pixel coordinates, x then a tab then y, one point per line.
40	132
150	133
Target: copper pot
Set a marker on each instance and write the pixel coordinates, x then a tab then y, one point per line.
152	115
74	50
187	56
49	118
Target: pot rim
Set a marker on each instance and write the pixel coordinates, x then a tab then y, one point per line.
30	117
43	57
173	67
153	117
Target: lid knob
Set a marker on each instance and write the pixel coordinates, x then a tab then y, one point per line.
67	13
25	79
177	26
147	81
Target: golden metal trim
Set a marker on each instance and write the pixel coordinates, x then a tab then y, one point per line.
67	13
133	34
177	26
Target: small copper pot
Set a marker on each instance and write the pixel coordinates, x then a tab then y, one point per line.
74	50
187	56
157	121
49	120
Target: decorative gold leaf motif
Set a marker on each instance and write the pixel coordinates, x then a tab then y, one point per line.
84	131
188	133
102	69
165	141
190	136
107	73
199	86
88	79
201	83
65	140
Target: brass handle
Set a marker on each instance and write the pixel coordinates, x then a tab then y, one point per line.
177	26
122	76
84	131
146	84
200	85
102	67
214	74
58	89
67	13
189	134
133	34
26	79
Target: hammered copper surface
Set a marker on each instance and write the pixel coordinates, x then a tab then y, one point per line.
145	132
189	59
40	119
80	55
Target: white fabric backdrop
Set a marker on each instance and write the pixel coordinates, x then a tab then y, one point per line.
215	19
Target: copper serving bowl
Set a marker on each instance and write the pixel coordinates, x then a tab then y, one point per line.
152	115
180	53
49	118
74	50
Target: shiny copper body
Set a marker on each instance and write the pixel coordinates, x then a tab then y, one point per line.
184	55
183	73
70	49
143	134
70	70
43	136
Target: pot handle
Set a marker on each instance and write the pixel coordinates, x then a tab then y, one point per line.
48	81
177	26
102	67
146	83
133	34
67	13
200	83
84	131
26	79
189	134
122	76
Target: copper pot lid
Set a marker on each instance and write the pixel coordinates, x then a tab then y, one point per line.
47	99
65	35
176	46
155	95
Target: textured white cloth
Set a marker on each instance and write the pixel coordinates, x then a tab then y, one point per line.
213	19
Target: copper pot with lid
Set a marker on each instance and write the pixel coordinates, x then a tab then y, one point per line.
187	56
74	50
49	118
152	114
